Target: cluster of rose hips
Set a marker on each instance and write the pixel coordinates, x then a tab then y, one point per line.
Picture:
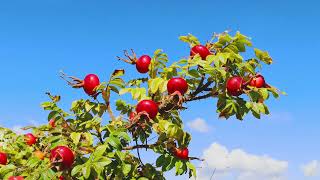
235	85
175	86
62	156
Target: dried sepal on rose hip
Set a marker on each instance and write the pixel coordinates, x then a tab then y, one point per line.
89	83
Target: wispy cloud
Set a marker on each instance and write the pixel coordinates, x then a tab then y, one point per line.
199	125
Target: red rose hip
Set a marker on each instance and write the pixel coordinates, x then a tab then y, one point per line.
203	51
131	116
182	153
15	178
142	64
52	123
90	82
64	155
234	85
3	158
177	84
258	81
30	139
149	107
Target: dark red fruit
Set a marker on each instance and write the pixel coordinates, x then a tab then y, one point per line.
30	139
131	116
203	51
142	64
182	153
16	178
64	155
61	178
3	158
52	123
258	81
148	106
177	84
90	82
234	86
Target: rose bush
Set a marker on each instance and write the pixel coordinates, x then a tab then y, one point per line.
93	140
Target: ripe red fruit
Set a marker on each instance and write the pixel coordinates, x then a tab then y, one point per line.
177	84
30	139
16	178
52	123
148	106
62	154
131	116
61	178
258	81
234	85
90	82
182	153
3	158
203	51
142	64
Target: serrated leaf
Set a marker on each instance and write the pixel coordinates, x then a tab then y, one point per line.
118	72
264	93
154	84
263	56
160	161
76	170
117	82
75	136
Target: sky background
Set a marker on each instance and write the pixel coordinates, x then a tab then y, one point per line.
40	38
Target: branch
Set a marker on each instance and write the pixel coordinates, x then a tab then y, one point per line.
140	146
195	158
200	83
202	88
211	94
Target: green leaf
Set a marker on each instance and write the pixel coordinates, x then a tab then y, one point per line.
124	90
118	72
126	168
193	73
118	82
178	166
115	142
264	93
86	171
160	161
76	170
192	168
100	151
263	56
190	39
154	84
75	136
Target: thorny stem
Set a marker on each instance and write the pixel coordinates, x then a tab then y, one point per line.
106	97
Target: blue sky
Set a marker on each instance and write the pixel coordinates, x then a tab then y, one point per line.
39	38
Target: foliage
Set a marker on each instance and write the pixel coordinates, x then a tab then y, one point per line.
108	147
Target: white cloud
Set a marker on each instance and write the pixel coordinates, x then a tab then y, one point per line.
240	165
17	129
199	125
311	169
